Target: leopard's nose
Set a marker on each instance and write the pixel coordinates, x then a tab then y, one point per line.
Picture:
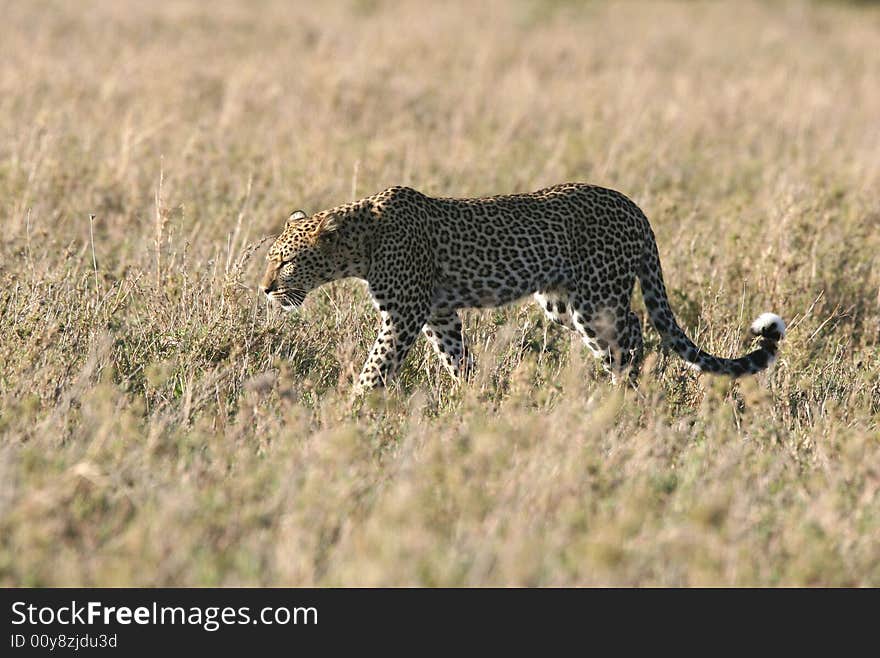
267	288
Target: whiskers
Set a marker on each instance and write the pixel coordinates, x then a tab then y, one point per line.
288	299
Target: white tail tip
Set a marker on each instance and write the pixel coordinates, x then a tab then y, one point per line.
769	325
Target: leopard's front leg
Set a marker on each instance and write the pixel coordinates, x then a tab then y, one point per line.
444	332
397	334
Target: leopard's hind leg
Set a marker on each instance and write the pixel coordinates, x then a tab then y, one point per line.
610	330
555	305
633	349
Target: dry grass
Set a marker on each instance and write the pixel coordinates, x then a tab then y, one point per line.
157	427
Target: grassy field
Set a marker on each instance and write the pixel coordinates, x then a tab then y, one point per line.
159	427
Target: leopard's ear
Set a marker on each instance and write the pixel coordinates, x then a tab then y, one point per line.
328	224
296	215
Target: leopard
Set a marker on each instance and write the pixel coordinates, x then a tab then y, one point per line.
577	248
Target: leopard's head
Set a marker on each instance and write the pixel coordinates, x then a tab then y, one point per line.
301	259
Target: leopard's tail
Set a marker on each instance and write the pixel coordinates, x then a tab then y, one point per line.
769	327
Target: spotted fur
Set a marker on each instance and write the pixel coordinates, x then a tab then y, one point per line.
578	248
